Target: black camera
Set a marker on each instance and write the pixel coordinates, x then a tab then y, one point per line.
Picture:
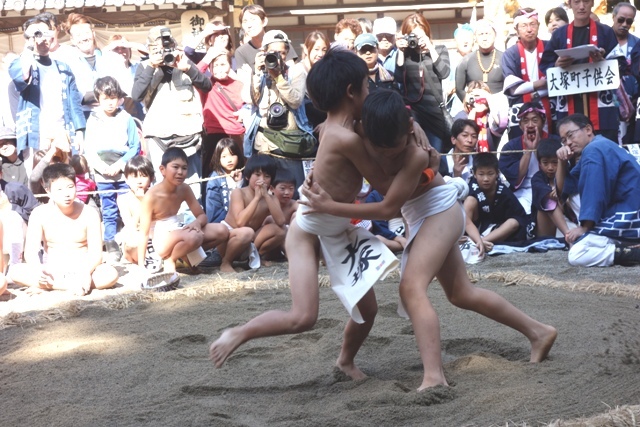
412	41
273	60
277	116
168	56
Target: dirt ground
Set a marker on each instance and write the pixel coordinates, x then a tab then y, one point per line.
125	358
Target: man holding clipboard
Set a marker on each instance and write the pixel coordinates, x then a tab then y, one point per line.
598	106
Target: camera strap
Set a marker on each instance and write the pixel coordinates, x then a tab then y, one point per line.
224	92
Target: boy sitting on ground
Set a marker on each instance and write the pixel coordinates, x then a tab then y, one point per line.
159	218
493	212
248	209
548	206
71	234
284	188
138	174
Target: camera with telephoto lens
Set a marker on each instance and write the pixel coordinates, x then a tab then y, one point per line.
168	55
412	41
273	60
277	116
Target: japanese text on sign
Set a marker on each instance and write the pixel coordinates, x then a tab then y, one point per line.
583	78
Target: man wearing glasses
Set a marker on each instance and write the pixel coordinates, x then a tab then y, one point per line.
598	106
623	17
385	31
607	179
523	80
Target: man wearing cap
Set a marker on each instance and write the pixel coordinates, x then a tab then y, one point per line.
600	107
385	31
483	64
167	83
49	105
271	85
366	48
523	80
519	167
12	167
463	35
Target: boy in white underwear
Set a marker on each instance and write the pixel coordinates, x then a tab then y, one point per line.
159	216
72	237
435	219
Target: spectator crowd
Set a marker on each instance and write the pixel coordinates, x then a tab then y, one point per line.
194	155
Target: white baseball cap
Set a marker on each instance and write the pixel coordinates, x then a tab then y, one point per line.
386	25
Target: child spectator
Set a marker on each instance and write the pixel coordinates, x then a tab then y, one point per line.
284	188
494	214
393	239
546	201
226	164
58	152
249	207
139	174
111	140
172	239
83	182
72	241
13	169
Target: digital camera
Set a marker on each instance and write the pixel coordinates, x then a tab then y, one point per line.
168	55
412	41
273	60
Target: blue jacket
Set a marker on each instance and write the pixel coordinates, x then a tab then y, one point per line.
217	198
28	115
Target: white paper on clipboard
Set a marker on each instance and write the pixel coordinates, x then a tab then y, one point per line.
578	52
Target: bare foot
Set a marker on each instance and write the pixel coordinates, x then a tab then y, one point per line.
433	381
224	346
541	346
226	267
265	263
169	266
351	370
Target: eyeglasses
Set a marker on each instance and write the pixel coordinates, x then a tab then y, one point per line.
387	36
367	49
525	25
569	135
621	20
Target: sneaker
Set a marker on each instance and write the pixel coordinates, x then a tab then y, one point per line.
626	256
162	282
212	260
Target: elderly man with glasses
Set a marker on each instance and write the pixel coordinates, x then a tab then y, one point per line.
607	179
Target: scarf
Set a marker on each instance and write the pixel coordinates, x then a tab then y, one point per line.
525	76
593	96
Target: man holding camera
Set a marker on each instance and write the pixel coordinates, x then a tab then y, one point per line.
49	104
167	83
278	96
